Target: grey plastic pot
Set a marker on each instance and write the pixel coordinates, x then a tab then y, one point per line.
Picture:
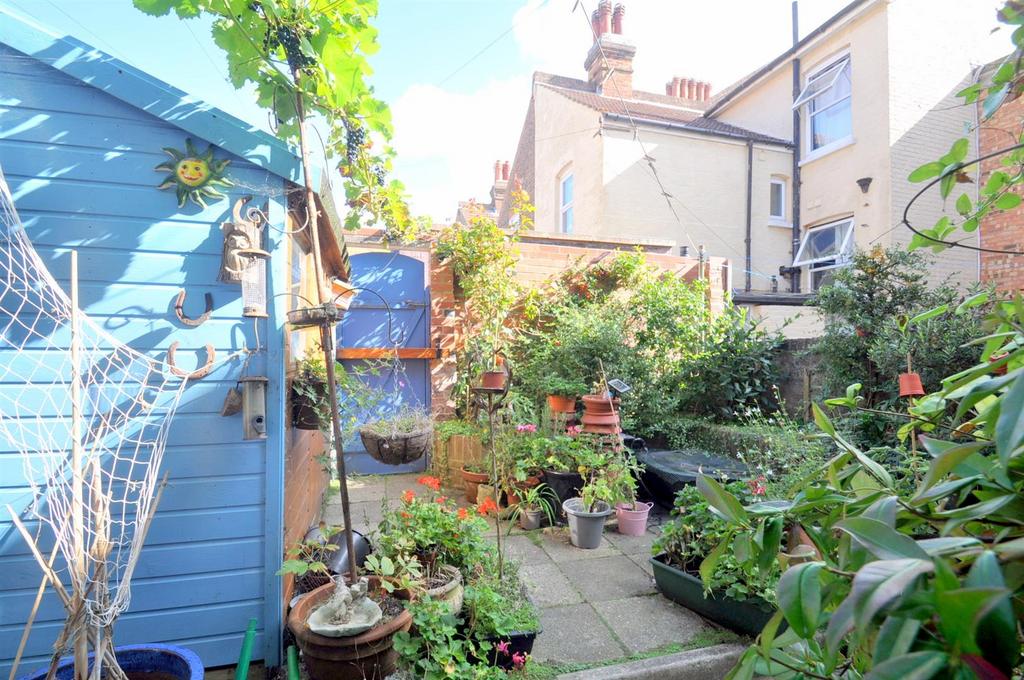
530	519
586	528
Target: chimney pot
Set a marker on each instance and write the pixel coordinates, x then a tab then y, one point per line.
677	86
497	170
620	11
668	89
504	171
707	92
595	24
691	89
604	17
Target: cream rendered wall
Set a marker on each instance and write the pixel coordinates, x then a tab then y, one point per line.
707	177
829	188
767	107
932	47
566	135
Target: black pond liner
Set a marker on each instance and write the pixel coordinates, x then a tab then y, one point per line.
666	472
564	485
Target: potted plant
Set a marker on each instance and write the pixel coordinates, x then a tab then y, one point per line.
631	513
136	661
534	506
494	376
562	392
473	475
368	654
310	408
402	438
500	613
691	534
560	466
601	465
307	560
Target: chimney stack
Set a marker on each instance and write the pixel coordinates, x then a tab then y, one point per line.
609	62
604	17
500	188
504	171
497	171
617	14
689	88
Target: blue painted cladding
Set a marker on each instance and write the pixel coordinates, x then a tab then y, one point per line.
80	166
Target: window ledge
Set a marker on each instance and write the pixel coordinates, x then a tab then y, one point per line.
780	223
826	150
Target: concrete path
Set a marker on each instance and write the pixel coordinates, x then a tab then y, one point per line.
595	605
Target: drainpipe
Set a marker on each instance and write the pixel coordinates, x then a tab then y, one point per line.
794	278
750	209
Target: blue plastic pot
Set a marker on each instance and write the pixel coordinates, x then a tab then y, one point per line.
168	660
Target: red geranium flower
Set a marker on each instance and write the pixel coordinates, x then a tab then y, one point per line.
463	513
487	506
408	496
441	500
431	482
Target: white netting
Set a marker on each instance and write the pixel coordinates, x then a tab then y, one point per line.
62	379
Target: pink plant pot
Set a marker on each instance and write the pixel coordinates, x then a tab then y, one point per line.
633	518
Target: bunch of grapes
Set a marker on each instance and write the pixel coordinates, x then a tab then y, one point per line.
379	172
355	138
288	37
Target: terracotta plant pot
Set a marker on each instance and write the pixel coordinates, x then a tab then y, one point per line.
367	656
472	481
494	380
528	483
910	385
559	404
600	414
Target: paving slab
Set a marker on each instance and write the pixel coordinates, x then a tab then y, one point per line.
650	622
632	545
524	550
608	578
575	633
548	586
708	663
368	488
366	515
556	544
644	562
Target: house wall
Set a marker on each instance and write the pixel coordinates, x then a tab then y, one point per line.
1004	229
707	178
80	165
565	136
933	47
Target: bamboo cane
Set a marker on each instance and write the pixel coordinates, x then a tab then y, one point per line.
32	615
81	644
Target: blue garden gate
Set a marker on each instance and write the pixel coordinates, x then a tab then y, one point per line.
389	322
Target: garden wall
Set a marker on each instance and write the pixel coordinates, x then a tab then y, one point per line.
799	377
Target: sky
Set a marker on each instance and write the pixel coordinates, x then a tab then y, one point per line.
457	72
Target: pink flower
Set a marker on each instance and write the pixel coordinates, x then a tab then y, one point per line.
518	660
573	430
757	486
526	427
502	647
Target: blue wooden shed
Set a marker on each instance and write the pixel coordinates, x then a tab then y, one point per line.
80	134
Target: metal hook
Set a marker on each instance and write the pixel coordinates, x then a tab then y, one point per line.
200	372
179	309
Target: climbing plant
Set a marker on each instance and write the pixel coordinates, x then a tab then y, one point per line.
308	59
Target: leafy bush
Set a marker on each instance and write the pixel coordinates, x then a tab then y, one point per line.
863	343
695	531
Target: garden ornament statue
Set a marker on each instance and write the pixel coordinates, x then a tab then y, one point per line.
348	611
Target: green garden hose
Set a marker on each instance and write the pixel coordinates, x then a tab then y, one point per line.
293	663
245	656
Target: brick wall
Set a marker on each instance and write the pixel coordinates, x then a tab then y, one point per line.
1002	230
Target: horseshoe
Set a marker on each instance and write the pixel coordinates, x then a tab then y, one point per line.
200	372
179	309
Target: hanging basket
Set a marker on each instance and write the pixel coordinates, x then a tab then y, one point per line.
397	450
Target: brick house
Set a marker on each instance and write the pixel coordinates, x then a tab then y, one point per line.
1001	230
785	173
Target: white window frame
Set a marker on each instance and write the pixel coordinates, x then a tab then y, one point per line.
778	220
837	65
842	257
563	208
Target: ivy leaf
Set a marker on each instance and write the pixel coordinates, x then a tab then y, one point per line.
721	501
994	100
915	666
882	541
800	597
957	152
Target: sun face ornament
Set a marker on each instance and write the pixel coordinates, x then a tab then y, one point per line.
194	175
